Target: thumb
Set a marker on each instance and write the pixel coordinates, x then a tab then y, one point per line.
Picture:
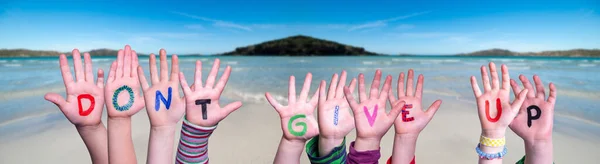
396	109
57	99
516	104
229	108
433	108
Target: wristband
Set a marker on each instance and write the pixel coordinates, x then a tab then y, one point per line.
522	161
498	155
389	161
193	144
336	156
492	142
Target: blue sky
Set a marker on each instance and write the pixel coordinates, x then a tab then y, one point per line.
426	27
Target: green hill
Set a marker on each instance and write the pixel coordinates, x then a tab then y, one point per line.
568	53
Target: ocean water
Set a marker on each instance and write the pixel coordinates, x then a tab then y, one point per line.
25	80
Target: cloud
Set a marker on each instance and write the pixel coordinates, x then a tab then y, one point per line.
405	26
195	27
217	23
424	34
384	22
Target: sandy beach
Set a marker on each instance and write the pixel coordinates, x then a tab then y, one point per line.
252	134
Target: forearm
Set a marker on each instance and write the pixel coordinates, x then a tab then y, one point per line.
120	144
326	145
289	151
160	144
95	140
193	144
404	148
539	152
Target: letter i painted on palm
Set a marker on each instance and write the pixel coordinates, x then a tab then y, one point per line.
371	117
498	109
336	113
160	97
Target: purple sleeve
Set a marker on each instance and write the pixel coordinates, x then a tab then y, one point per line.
363	157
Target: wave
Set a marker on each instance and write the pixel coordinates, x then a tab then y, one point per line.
231	62
10	95
520	68
36	116
12	65
3	61
369	62
586	65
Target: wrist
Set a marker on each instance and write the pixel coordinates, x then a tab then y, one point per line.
90	128
406	137
293	142
163	129
366	144
493	133
326	145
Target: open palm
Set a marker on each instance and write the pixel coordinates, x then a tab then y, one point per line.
335	120
168	88
123	78
209	94
495	110
89	113
540	125
414	120
303	124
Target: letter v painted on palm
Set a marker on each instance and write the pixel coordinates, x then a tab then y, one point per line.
371	117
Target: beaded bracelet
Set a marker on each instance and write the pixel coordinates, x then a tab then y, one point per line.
492	142
498	155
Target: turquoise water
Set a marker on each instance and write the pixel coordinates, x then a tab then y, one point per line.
25	80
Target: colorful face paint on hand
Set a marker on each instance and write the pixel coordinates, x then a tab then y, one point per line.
303	124
336	113
406	112
160	97
116	95
92	103
498	109
529	115
203	102
371	117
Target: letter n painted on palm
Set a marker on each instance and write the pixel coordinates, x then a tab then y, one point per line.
160	97
498	109
92	103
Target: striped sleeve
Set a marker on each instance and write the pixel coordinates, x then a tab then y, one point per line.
193	144
336	156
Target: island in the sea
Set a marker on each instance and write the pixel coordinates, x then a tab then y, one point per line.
504	52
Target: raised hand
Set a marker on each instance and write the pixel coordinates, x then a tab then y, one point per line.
335	120
202	102
163	104
297	120
371	120
85	99
495	110
413	119
122	91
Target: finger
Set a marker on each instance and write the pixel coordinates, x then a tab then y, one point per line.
292	90
552	97
142	78
120	56
494	73
112	72
350	99
174	68
184	84
223	80
527	85
515	87
485	79
409	83
79	75
419	91
396	110
505	77
164	68
340	87
519	100
352	85
433	108
362	93
475	87
305	88
213	74
332	86
391	97
127	61
134	63
65	70
153	70
400	86
383	95
231	107
57	99
374	91
198	74
322	94
314	100
539	87
100	78
273	102
89	71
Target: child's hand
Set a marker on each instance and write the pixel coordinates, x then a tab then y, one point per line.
297	120
495	110
413	119
371	120
335	120
202	102
82	94
122	92
535	119
163	104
